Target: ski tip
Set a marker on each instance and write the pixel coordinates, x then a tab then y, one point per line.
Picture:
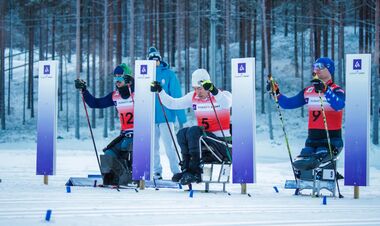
191	193
137	191
249	195
324	200
275	189
48	215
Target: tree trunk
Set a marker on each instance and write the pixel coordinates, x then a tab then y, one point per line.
325	32
295	43
226	84
271	22
302	67
266	30
367	20
10	58
286	22
132	35
376	59
242	28
40	35
179	39
199	37
341	45
263	79
77	48
173	34
105	73
53	38
2	65
249	38
110	62
254	29
24	87
161	26
125	24
30	63
70	46
361	27
93	32
81	40
102	73
332	21
119	30
60	78
89	82
187	48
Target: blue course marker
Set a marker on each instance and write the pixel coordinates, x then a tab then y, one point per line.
191	193
179	186
324	202
275	188
68	189
48	215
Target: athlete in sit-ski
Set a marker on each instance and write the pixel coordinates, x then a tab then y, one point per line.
116	163
316	146
188	138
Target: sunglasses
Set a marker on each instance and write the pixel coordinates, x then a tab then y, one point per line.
319	66
118	79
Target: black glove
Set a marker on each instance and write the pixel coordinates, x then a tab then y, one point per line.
207	85
319	85
80	84
275	87
155	87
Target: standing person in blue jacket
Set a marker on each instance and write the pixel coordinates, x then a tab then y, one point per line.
116	163
333	96
170	84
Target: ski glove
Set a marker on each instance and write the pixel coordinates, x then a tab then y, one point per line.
275	87
319	85
80	84
207	85
155	87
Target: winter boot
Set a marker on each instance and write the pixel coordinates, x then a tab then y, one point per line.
195	171
184	167
188	178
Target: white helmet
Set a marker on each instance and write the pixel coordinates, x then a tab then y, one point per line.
199	76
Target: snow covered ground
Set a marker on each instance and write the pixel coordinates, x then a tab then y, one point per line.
25	199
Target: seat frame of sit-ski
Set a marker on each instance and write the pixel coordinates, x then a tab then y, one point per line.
208	167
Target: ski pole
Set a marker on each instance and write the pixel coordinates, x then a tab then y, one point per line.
170	131
329	143
272	83
220	126
92	135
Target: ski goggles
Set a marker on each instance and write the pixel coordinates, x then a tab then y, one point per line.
319	66
118	79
